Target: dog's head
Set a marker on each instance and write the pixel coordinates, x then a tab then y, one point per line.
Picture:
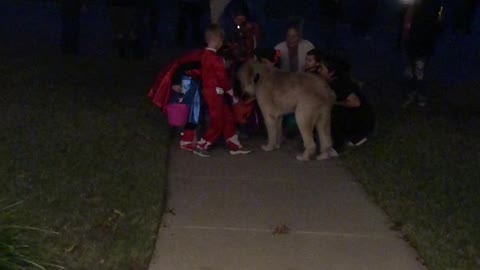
249	75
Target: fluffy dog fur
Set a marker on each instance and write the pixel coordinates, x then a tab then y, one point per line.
279	93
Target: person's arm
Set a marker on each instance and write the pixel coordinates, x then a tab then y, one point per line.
218	65
346	89
352	101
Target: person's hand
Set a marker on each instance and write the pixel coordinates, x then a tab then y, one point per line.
352	101
177	88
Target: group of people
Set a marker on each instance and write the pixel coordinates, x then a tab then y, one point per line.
213	70
353	118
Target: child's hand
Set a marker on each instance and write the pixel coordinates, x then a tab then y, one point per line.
177	88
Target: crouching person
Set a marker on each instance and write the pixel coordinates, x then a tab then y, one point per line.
353	118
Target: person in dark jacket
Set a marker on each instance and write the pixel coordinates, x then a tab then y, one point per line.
422	24
353	118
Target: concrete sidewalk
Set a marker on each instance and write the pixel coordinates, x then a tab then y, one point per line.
225	209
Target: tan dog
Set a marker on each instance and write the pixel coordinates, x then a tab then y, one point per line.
279	93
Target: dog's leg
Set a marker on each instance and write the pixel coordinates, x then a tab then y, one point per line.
270	123
305	125
279	129
323	126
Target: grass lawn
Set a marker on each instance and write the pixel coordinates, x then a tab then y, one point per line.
84	155
422	168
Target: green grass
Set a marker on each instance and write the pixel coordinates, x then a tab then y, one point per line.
82	149
422	168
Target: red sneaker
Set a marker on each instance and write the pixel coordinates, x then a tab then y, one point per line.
201	148
187	146
235	149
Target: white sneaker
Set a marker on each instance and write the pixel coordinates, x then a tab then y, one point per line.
362	141
240	151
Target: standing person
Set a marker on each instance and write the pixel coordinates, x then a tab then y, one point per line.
242	34
422	24
293	50
190	22
242	37
71	11
215	85
401	11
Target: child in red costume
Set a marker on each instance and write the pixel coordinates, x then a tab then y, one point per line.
215	84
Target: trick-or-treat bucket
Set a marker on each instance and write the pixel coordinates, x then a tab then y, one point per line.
177	114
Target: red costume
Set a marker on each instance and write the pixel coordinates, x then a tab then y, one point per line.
160	91
215	83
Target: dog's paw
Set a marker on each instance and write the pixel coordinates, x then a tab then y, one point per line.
268	148
330	153
301	157
323	156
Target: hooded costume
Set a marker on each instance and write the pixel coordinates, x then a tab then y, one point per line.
184	71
